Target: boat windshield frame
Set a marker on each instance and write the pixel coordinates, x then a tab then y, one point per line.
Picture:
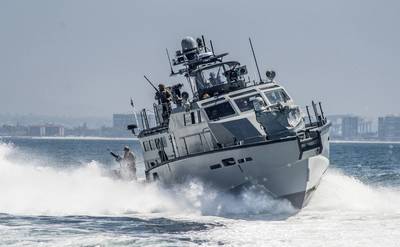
208	84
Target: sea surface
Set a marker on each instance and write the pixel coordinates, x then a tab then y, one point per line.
61	192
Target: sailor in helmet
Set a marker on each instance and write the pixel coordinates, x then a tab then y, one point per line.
129	163
164	96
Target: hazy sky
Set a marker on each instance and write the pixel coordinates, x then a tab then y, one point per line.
87	58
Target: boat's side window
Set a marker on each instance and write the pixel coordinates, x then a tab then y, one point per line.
146	146
229	162
249	158
164	141
276	96
246	103
216	112
150	145
216	166
160	142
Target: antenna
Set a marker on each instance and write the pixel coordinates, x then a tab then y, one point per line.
212	47
169	60
255	60
204	43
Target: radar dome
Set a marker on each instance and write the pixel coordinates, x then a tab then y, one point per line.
188	43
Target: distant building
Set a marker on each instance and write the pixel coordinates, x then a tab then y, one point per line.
46	130
350	127
389	128
54	130
336	128
36	130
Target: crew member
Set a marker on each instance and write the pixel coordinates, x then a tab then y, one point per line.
164	97
129	161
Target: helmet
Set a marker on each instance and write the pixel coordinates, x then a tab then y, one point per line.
126	148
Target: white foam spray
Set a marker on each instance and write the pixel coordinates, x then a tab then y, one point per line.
344	193
30	188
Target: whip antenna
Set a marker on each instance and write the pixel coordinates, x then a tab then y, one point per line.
212	47
204	43
255	60
169	60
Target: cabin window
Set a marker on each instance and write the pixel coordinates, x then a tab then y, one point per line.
249	159
158	143
145	147
164	141
216	166
246	103
276	96
216	112
229	162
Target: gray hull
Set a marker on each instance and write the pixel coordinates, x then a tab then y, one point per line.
283	167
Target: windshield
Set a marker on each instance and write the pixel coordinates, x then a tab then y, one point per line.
216	112
210	77
276	96
246	103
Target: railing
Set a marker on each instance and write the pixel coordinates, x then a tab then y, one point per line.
308	141
313	115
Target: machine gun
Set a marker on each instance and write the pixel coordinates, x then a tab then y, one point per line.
117	157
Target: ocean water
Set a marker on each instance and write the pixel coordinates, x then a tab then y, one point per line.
56	192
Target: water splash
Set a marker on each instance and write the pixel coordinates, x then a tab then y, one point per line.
29	188
340	192
33	189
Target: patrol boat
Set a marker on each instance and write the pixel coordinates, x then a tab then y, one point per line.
232	132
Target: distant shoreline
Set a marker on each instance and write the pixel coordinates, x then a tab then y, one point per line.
73	138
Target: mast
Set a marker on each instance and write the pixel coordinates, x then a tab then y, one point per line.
255	60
